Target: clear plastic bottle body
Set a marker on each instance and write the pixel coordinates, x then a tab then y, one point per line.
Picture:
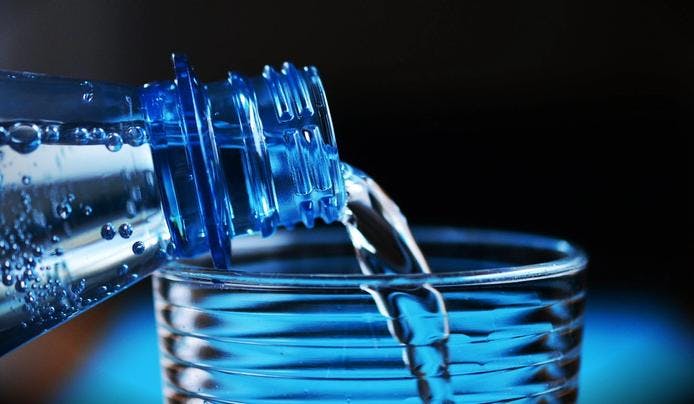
72	237
101	183
80	211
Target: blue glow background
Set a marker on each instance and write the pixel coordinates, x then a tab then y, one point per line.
636	349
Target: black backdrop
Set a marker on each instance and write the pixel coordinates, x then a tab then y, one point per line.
560	117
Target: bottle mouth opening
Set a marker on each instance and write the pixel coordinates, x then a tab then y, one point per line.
323	258
253	154
292	165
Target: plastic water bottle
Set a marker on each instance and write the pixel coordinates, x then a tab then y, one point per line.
101	183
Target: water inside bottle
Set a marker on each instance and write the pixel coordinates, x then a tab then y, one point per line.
80	214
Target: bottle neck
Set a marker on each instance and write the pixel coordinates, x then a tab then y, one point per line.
242	156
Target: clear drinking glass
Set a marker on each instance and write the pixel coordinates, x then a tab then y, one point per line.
294	321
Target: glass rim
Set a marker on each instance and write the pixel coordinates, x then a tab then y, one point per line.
572	260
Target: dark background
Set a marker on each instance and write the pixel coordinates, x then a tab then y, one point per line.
569	118
559	117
